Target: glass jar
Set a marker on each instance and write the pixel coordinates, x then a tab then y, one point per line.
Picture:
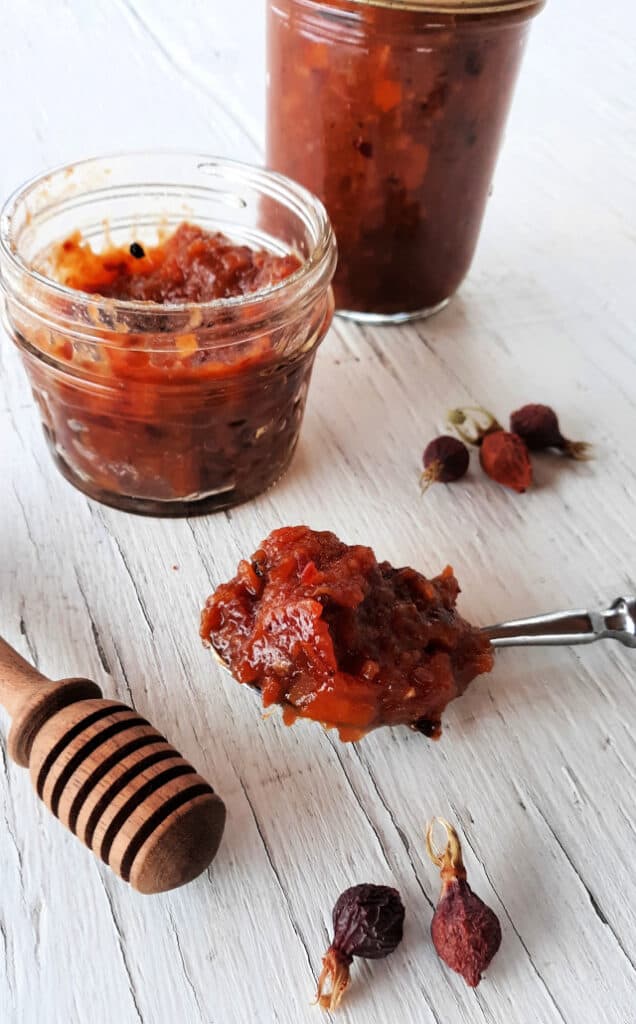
392	112
167	409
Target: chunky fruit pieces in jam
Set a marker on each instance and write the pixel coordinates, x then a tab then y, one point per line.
206	412
192	265
335	636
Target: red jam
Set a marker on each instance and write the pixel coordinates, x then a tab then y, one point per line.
166	411
192	265
331	634
394	116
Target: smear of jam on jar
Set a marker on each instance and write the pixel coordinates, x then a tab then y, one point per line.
161	418
331	634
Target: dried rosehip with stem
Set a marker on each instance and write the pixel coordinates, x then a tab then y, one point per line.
367	922
538	425
446	459
466	933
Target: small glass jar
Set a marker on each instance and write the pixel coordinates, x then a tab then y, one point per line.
392	112
167	409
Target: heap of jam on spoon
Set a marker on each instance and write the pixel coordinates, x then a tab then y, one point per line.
326	631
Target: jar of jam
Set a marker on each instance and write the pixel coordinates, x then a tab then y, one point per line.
168	309
392	112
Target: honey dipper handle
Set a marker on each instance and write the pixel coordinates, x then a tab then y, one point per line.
18	679
31	698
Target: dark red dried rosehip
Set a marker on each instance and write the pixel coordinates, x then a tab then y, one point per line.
446	459
367	922
466	933
538	425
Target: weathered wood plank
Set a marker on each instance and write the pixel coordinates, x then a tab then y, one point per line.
538	762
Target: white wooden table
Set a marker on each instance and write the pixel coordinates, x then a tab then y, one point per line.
538	762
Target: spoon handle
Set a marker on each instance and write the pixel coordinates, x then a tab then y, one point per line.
618	622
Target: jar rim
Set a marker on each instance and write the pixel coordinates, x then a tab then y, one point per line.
302	280
454	6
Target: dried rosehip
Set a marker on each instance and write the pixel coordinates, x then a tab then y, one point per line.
446	459
538	425
466	933
367	922
505	458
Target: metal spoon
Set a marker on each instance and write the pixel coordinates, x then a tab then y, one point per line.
567	628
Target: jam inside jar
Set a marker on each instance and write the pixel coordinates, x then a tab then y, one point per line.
398	109
168	407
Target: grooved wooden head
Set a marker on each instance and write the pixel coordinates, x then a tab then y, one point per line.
117	784
110	777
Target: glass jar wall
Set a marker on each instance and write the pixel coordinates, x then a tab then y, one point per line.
177	408
393	113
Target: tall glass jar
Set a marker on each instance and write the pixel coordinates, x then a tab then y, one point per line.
392	112
167	409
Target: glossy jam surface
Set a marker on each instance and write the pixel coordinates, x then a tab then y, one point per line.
163	420
324	629
192	265
397	122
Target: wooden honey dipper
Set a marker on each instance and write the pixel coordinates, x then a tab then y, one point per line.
111	778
